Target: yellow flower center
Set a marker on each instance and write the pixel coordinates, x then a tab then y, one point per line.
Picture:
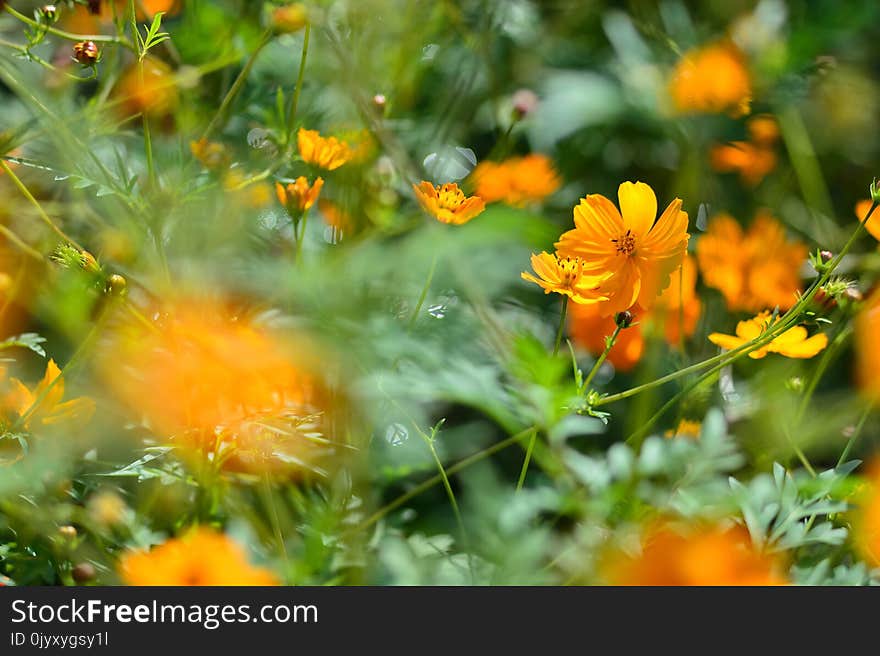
450	196
626	243
569	270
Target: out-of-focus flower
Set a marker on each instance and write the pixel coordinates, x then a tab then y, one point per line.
250	194
336	217
106	508
867	343
525	101
324	152
686	428
92	19
589	328
862	209
564	275
704	555
289	18
753	270
866	520
447	203
154	93
754	159
713	79
635	252
43	404
677	307
793	343
516	181
201	557
203	374
212	155
298	196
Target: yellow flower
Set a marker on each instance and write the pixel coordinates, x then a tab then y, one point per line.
564	275
793	343
635	253
201	557
686	428
324	152
753	270
212	155
873	224
43	404
447	203
298	196
517	180
688	556
712	80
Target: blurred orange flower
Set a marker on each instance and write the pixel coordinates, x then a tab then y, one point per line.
677	307
201	557
324	152
711	80
866	519
636	253
212	155
873	224
793	343
336	217
447	203
43	404
754	159
298	196
702	556
686	428
753	270
516	181
206	375
867	343
564	275
153	93
81	21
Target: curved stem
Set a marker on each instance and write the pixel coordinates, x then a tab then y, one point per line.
97	38
291	115
856	432
528	459
424	294
609	344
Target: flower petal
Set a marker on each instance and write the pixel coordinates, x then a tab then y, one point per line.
638	204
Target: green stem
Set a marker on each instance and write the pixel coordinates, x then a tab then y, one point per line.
276	522
236	85
528	459
561	329
424	294
302	235
42	213
609	344
856	432
291	115
97	38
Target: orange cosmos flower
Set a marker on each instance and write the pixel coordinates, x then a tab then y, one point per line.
686	428
873	224
447	203
753	270
297	197
336	217
710	555
324	152
753	159
677	308
212	155
867	342
201	557
43	404
866	521
711	80
82	21
564	275
516	181
635	253
203	373
793	343
153	93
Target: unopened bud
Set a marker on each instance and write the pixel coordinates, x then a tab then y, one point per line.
116	285
525	101
48	13
67	531
379	102
86	53
289	18
826	256
89	263
875	191
83	572
623	319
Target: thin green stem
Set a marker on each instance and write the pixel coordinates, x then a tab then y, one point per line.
528	459
291	115
302	235
561	329
276	522
609	344
97	38
424	294
856	432
40	211
236	85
